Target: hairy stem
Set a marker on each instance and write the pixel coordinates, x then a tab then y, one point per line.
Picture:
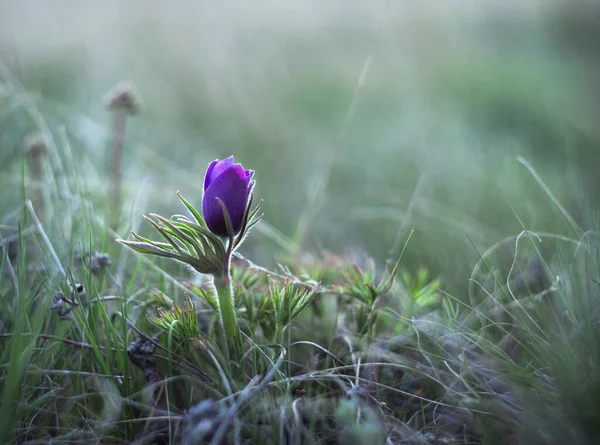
224	290
116	153
37	152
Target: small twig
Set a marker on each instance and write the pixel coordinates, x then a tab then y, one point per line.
68	372
116	298
290	277
64	340
145	419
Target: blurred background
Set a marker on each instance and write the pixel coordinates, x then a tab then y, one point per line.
362	119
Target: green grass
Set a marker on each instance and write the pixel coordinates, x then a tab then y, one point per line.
477	166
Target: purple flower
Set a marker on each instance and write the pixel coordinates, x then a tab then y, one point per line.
231	184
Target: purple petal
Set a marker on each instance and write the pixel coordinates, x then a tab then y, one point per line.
208	173
232	187
218	170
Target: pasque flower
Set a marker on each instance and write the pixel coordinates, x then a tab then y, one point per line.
199	242
231	184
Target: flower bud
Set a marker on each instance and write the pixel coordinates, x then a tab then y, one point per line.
231	184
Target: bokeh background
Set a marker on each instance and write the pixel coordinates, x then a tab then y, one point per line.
362	119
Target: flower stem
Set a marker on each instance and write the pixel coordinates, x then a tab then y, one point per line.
116	161
226	308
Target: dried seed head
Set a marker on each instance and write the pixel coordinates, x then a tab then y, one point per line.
36	146
141	354
124	97
140	351
95	261
62	307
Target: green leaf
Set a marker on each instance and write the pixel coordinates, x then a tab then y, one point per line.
164	234
148	249
193	211
228	224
